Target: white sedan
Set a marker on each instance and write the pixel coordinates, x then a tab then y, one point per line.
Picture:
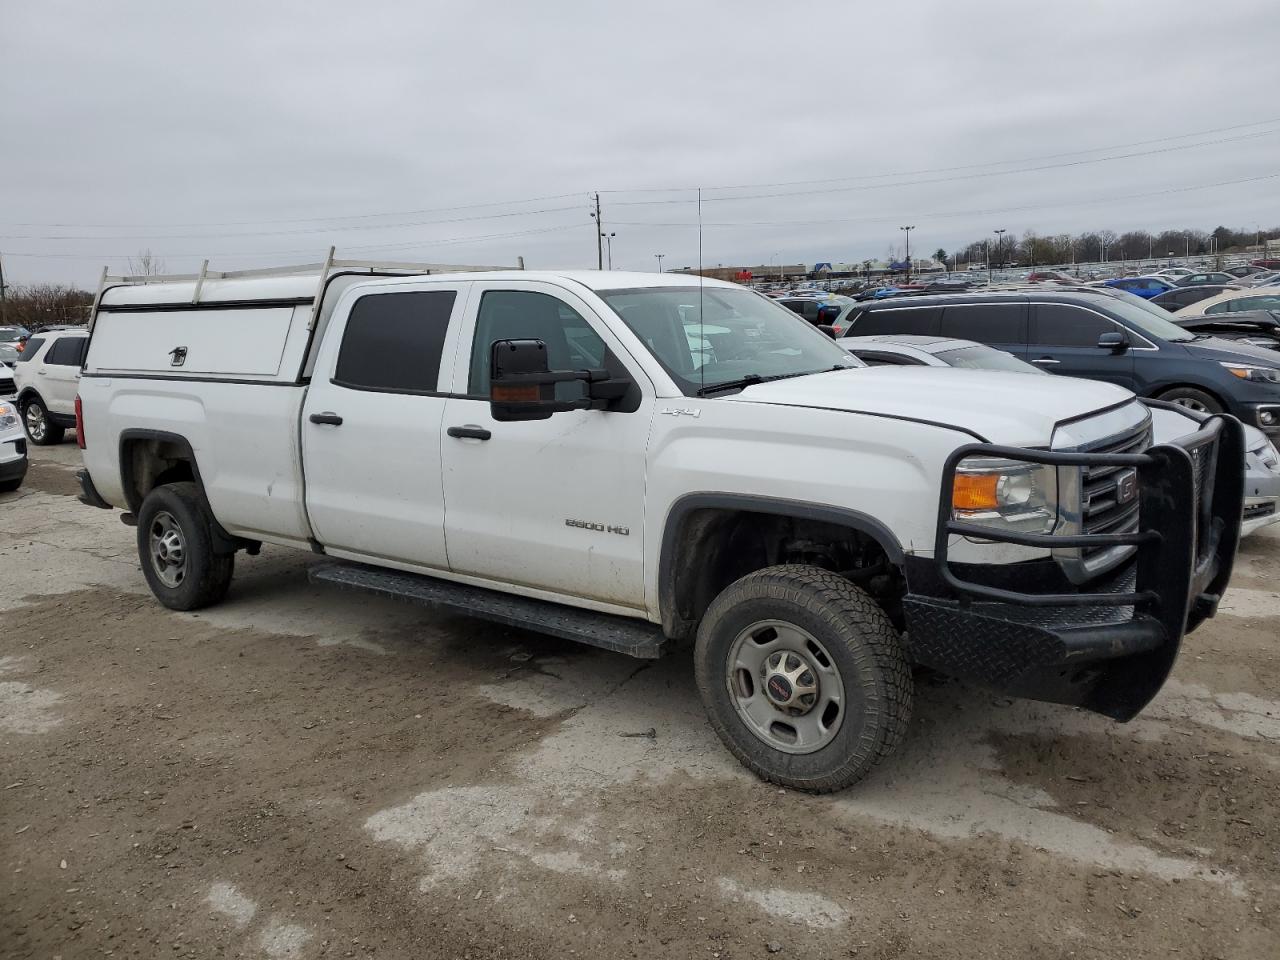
13	448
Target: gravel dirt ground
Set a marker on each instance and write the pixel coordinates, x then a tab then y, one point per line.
303	773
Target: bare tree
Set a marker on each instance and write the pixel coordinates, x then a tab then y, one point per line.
45	304
145	264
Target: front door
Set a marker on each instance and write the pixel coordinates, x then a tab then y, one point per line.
371	425
1064	340
554	504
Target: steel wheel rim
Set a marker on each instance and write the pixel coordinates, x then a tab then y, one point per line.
802	712
35	421
1191	404
168	549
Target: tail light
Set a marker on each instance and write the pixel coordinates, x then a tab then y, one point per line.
79	423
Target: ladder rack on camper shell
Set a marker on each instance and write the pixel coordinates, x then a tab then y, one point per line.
325	269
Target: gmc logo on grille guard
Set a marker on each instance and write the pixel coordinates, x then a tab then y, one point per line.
1127	487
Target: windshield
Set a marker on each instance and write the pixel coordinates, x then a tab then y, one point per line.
738	334
8	353
985	358
8	334
1147	317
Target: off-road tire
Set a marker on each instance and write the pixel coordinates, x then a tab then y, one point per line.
53	434
1193	398
207	573
868	651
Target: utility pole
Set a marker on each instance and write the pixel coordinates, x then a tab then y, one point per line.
595	215
906	231
3	305
659	256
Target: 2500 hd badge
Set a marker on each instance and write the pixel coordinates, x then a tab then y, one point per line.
598	527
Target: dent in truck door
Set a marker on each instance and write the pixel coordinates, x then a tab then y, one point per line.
555	504
371	426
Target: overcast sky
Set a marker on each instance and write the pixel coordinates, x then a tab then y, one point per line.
260	133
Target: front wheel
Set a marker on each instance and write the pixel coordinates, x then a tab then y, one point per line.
175	546
40	429
803	677
1192	399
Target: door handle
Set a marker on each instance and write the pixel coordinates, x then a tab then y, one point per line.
41	372
1046	360
469	432
326	417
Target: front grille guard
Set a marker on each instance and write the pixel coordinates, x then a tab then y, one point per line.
1186	538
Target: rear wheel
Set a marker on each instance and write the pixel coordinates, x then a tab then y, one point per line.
803	677
1192	399
175	546
40	429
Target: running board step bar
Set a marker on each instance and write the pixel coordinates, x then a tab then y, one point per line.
636	638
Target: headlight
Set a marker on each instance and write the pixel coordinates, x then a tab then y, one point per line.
1006	495
8	415
1257	374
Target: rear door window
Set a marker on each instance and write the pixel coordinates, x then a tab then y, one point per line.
31	349
1064	325
986	322
67	352
1245	303
393	341
916	320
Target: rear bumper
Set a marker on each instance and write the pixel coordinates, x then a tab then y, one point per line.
1108	645
89	493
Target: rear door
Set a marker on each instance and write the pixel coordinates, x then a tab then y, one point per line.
999	325
1064	339
59	373
371	424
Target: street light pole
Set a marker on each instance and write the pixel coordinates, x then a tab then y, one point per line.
659	256
906	231
608	239
999	240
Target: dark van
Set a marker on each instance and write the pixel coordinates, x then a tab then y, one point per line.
1102	336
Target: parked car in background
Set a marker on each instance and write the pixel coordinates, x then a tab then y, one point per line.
1244	270
1262	472
924	351
47	377
1103	334
1179	297
829	309
1260	328
1267	278
14	335
1197	278
8	357
1145	287
13	448
1057	276
1173	273
1233	301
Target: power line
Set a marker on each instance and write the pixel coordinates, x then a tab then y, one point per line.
302	250
328	219
957	213
970	166
970	176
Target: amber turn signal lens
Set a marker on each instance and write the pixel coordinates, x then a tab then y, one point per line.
510	394
974	491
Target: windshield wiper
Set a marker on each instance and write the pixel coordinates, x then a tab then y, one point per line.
751	379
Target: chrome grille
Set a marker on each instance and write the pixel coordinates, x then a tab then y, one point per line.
1108	495
6	386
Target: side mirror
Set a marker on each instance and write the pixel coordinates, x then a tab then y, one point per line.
523	387
1114	341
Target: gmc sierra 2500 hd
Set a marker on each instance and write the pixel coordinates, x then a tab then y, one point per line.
636	460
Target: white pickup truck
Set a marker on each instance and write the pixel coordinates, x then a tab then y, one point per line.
635	461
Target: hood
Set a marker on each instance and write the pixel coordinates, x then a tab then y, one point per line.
1216	348
1001	407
